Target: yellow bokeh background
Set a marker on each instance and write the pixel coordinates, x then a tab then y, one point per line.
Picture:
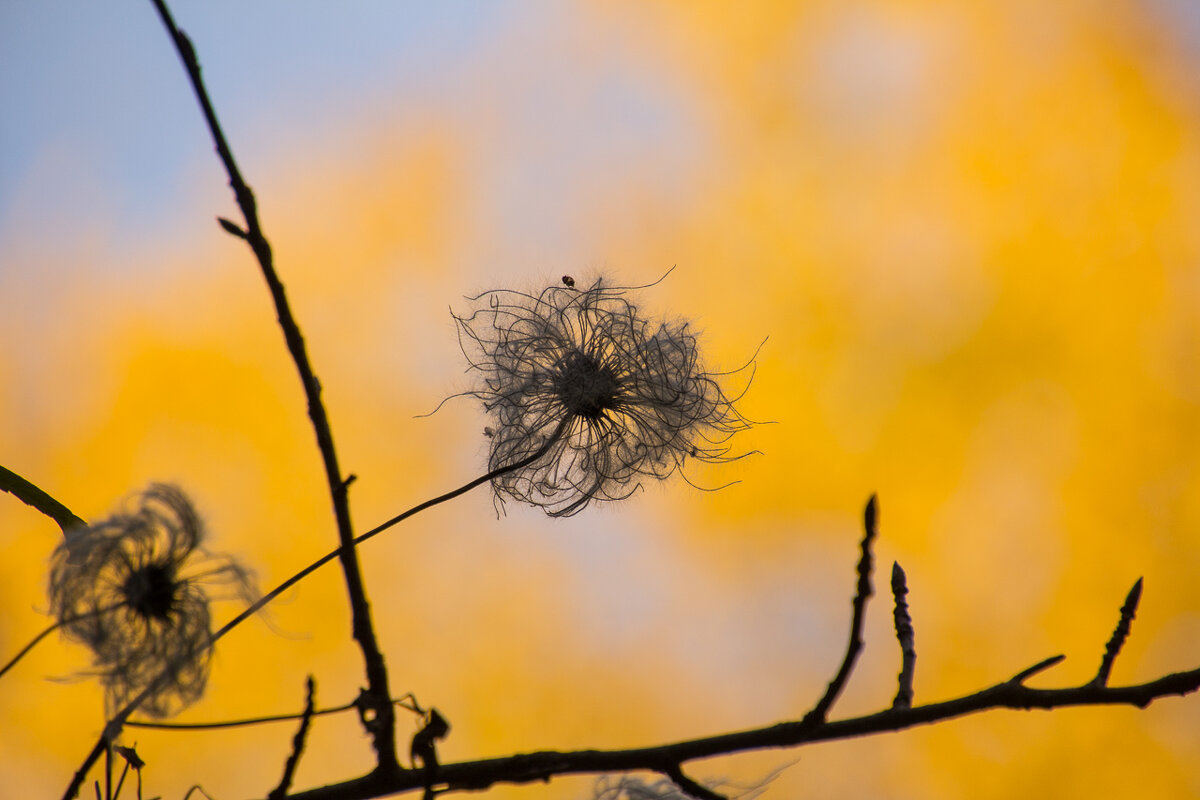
969	232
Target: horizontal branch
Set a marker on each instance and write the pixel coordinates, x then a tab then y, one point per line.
544	765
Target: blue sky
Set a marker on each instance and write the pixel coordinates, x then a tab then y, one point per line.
100	128
96	103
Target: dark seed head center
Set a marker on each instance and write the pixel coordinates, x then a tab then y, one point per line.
586	387
150	591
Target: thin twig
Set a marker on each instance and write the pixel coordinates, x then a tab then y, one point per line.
240	723
121	780
132	759
382	727
1041	666
906	636
870	525
1113	648
466	487
690	787
96	612
13	661
34	496
289	769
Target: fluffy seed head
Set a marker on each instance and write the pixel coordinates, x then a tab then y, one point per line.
635	400
130	588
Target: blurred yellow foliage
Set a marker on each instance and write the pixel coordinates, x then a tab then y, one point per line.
969	230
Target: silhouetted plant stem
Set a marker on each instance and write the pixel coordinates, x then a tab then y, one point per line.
289	769
466	487
691	788
863	593
121	780
108	765
382	721
33	642
49	630
33	496
906	636
1120	634
241	723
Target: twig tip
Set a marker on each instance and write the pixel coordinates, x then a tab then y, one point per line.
232	228
1041	666
1113	648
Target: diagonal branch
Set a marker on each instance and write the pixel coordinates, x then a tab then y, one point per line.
863	593
35	497
382	726
691	788
289	769
1113	648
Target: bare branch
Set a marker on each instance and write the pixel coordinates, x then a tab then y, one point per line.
906	636
698	791
37	498
1113	648
542	766
870	524
382	727
289	769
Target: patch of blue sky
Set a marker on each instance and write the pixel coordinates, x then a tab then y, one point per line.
574	139
635	588
570	115
1182	18
99	123
100	128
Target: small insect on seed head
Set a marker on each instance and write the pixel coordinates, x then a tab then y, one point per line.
568	281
